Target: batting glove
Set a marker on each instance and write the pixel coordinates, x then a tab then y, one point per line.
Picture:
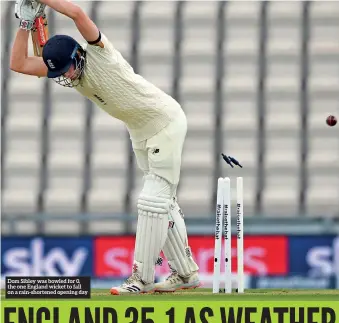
27	11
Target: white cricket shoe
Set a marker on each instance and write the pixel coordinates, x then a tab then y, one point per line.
133	284
175	282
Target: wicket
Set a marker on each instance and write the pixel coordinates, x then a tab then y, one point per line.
223	228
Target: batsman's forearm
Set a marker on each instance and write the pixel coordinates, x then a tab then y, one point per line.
85	25
64	7
20	49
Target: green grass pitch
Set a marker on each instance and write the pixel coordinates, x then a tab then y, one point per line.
202	294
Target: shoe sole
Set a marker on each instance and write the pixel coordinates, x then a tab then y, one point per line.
180	288
114	291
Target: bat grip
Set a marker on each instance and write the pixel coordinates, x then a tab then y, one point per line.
41	32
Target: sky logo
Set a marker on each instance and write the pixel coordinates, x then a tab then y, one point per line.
46	256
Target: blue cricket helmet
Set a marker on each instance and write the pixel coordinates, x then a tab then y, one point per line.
59	53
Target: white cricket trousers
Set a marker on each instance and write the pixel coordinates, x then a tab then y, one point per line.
161	154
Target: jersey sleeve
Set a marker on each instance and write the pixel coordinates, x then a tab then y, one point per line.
108	53
108	46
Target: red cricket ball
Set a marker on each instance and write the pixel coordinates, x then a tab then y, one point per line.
331	121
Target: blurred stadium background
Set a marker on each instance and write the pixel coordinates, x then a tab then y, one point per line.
256	80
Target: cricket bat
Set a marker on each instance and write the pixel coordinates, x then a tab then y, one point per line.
39	34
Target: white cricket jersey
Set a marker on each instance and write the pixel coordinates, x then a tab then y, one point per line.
110	82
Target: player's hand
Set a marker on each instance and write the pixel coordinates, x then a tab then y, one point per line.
27	11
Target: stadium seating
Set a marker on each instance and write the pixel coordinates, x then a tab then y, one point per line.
65	115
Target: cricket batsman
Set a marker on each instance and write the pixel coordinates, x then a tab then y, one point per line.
155	121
